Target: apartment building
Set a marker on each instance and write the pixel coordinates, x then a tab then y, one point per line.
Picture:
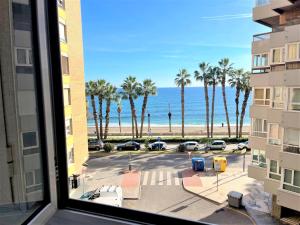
71	47
275	112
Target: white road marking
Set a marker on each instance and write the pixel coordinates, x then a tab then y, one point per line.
161	178
145	180
153	178
169	181
176	179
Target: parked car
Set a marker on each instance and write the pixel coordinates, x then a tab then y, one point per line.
189	146
95	144
109	195
217	145
130	145
244	145
158	145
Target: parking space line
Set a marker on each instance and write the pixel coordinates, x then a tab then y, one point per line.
153	178
146	175
169	181
176	179
161	178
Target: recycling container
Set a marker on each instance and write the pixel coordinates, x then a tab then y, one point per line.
235	199
198	164
222	163
75	181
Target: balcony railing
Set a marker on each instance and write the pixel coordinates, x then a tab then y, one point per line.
261	37
274	141
259	134
264	102
291	149
262	2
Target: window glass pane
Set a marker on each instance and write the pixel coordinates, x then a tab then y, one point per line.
273	166
65	64
67	96
69	127
257	61
292	51
259	93
297	178
29	179
291	137
29	139
62	32
21	56
38	176
296	95
268	93
288	176
262	156
276	55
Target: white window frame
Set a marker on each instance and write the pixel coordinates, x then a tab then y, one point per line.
275	103
69	96
33	172
264	97
65	39
282	56
37	140
287	52
289	184
278	170
262	130
71	125
290	99
28	51
279	138
283	140
258	162
260	55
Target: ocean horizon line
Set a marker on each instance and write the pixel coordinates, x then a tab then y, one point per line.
167	125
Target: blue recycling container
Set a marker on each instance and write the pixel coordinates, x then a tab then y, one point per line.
198	164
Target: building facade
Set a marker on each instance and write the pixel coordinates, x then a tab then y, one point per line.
71	46
275	112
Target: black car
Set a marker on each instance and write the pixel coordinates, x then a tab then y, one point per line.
159	145
130	145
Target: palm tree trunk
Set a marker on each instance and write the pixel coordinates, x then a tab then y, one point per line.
225	106
134	116
212	110
101	116
95	115
119	118
107	118
143	114
207	107
237	96
244	106
132	125
182	110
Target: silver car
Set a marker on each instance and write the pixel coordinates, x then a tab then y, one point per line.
217	145
191	145
95	144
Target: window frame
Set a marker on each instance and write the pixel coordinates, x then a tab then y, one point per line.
282	56
290	100
27	56
262	130
292	181
65	39
264	99
63	200
287	52
279	138
259	162
33	146
278	170
290	145
260	58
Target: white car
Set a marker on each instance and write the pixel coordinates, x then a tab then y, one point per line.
191	145
108	195
243	145
217	145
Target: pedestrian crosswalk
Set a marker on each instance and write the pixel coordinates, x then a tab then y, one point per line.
160	178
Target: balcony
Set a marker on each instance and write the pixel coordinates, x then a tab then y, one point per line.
261	43
259	110
257	172
263	13
259	3
289	160
279	4
272	151
288	199
274	115
271	186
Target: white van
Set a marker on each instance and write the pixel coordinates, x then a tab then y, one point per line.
109	195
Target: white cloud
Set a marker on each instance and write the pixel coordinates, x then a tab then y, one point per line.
227	17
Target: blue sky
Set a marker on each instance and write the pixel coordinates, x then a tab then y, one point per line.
155	38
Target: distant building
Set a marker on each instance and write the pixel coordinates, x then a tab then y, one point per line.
71	46
275	112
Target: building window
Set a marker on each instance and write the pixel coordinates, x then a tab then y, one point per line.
259	128
277	55
278	98
275	134
259	158
65	64
291	140
275	170
67	96
71	156
29	140
61	3
262	96
69	129
33	178
261	60
23	56
294	99
293	51
62	32
291	180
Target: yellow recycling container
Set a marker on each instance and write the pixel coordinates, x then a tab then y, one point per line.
220	163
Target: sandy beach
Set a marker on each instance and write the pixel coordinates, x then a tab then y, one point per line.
176	131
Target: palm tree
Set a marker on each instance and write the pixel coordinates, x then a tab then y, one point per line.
235	81
101	86
245	87
182	79
225	70
109	96
119	109
148	88
91	90
203	75
214	74
131	91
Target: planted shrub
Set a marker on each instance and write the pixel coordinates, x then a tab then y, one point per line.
108	147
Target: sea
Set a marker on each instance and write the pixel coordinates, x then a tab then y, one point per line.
170	99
